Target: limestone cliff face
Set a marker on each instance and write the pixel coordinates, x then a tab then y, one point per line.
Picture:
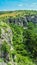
6	35
3	63
23	21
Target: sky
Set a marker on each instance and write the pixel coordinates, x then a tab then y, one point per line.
11	5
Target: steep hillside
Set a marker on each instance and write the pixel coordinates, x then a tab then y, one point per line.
6	43
18	38
19	17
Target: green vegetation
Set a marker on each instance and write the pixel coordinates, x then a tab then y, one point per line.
18	13
1	60
24	42
0	32
5	47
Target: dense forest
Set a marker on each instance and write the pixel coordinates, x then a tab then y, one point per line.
18	37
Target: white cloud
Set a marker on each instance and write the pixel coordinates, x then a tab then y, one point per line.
20	5
33	4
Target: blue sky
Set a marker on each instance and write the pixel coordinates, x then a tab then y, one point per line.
18	5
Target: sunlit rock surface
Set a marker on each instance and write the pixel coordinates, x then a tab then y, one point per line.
6	35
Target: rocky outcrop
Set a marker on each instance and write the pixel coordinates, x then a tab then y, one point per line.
32	18
23	21
6	37
3	63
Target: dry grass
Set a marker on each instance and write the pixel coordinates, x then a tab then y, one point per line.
10	14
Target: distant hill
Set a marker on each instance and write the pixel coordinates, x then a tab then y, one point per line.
18	13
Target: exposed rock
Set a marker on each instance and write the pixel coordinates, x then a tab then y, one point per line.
23	21
3	63
32	18
6	35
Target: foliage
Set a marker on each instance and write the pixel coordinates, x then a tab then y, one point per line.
0	32
24	41
5	47
30	41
